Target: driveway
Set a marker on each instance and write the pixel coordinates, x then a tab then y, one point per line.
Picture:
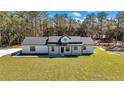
4	52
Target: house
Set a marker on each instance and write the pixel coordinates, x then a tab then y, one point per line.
58	45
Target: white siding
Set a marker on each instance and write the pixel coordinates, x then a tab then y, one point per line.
55	52
76	52
39	49
89	49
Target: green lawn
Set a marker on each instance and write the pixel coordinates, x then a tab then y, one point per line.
98	66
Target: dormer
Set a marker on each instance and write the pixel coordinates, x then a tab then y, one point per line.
65	39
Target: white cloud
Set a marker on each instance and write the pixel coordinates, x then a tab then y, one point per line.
80	19
51	16
77	14
109	18
77	19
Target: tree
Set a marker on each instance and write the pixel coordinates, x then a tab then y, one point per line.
15	26
120	25
90	24
102	16
35	18
110	31
60	23
5	22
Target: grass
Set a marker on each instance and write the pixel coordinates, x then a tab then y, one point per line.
98	66
12	46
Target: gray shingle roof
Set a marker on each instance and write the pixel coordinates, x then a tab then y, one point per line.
87	40
55	39
35	41
75	39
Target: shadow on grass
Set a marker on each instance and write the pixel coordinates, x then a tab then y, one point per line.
56	56
87	54
19	54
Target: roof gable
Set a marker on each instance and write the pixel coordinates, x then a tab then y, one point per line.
65	39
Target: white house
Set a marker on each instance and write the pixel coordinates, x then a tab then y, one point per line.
58	45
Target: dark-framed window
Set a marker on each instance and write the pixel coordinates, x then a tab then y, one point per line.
52	49
32	48
67	48
84	47
75	47
65	39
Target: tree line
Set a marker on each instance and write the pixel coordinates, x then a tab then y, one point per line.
15	26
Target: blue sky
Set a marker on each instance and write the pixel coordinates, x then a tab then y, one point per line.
80	15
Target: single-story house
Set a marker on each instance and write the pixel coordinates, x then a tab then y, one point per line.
58	45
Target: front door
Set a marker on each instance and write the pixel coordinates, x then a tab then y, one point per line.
62	50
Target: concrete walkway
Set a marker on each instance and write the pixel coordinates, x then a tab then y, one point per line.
4	52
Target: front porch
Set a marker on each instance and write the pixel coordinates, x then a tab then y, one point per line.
67	50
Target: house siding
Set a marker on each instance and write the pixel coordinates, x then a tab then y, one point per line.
43	45
78	51
89	49
39	49
55	52
70	52
67	52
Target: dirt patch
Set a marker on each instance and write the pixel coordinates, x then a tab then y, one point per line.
113	50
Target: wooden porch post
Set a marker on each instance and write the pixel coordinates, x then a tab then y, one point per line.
48	49
58	50
71	50
0	39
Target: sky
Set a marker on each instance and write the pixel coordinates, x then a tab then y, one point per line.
80	15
